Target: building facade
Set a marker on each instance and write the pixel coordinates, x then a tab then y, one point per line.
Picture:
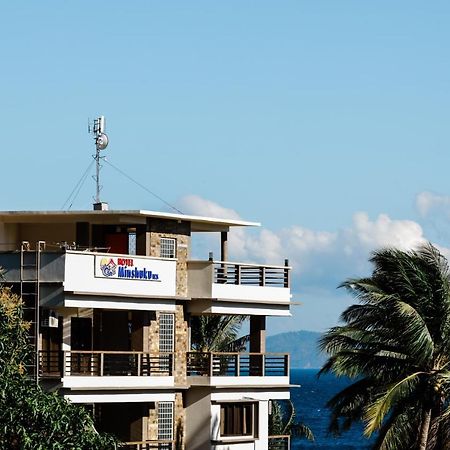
111	295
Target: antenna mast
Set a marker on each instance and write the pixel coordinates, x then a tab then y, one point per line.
101	142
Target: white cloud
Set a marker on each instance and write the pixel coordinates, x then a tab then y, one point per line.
321	260
304	245
428	203
193	204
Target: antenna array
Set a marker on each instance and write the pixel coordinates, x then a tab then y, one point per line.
97	128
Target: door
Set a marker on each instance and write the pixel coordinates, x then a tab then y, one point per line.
81	360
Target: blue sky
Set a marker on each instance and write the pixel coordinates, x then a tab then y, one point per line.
313	117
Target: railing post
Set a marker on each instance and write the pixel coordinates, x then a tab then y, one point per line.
64	363
237	272
102	363
262	276
238	365
139	364
263	368
287	274
287	361
211	364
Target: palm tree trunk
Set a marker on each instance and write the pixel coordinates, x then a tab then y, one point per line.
423	440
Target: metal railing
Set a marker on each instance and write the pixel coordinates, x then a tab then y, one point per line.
237	364
279	442
251	275
149	445
104	363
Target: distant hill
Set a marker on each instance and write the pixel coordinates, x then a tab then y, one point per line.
302	345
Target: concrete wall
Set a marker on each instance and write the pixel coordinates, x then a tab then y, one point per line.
198	419
181	232
8	236
51	233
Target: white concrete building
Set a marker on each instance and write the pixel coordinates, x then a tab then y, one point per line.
111	295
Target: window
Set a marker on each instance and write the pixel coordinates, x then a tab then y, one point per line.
166	340
166	329
238	419
165	420
168	248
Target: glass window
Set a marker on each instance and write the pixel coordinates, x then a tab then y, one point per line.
166	332
165	420
168	248
238	419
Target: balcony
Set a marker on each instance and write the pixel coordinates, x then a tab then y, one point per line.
238	282
213	368
281	442
149	445
108	369
90	279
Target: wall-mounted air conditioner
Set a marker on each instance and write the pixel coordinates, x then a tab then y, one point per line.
49	319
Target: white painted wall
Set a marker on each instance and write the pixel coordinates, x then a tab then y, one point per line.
86	301
115	382
108	397
214	306
255	293
235	382
259	443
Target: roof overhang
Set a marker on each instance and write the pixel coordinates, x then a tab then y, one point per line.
198	223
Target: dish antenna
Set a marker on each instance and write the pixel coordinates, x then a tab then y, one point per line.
101	142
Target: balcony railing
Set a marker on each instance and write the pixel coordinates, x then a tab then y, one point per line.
237	364
149	445
104	363
251	275
281	442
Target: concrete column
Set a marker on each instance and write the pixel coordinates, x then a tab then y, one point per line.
82	234
142	240
223	245
257	334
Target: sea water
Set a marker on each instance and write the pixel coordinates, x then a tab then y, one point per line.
309	400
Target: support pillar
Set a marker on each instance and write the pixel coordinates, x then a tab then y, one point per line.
257	334
142	240
223	245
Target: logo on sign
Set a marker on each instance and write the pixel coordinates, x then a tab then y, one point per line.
108	267
125	268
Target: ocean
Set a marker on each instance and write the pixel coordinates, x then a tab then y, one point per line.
309	401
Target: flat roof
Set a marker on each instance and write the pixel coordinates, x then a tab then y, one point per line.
198	223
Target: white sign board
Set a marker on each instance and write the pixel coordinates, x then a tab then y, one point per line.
119	274
127	268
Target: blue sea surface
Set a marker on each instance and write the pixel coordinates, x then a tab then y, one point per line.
309	400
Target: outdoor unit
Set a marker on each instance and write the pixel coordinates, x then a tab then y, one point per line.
49	319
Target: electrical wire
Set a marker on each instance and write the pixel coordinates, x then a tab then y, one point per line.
142	186
77	188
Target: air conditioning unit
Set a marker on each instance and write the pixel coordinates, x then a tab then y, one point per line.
49	319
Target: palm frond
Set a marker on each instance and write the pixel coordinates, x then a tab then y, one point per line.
376	412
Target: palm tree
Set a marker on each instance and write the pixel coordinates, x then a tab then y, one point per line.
217	333
395	343
282	421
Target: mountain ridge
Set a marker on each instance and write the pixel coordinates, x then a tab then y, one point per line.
302	346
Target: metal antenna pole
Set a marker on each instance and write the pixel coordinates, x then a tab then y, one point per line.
101	142
97	174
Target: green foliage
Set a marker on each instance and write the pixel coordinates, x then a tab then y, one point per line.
217	333
396	343
31	419
282	421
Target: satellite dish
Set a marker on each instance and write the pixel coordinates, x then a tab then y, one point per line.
102	141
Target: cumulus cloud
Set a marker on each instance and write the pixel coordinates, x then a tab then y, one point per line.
321	260
429	203
317	254
193	204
